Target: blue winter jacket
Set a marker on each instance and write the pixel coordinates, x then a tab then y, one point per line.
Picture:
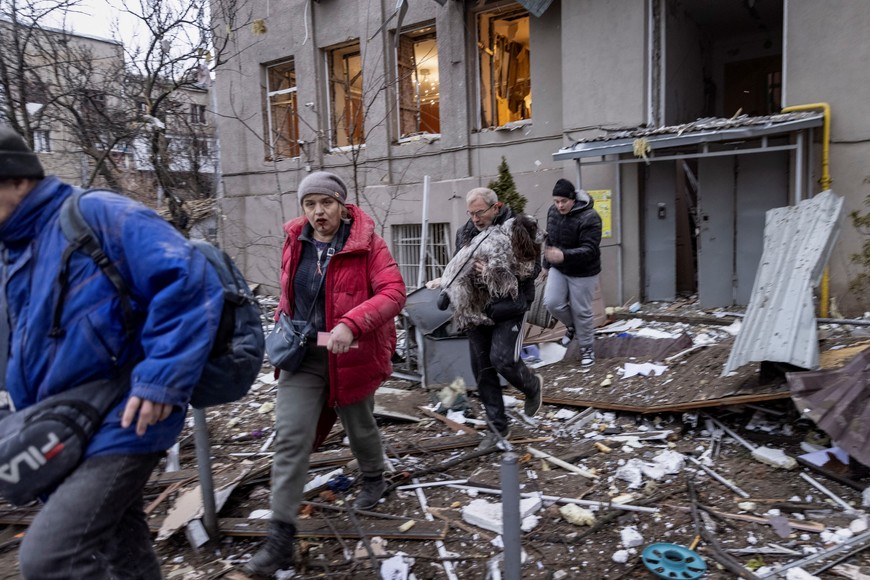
177	301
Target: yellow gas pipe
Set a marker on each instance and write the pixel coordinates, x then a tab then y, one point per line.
825	182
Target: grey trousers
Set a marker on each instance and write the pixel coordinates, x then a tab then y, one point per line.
569	300
93	526
301	396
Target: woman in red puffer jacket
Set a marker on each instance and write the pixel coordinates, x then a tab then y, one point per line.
335	267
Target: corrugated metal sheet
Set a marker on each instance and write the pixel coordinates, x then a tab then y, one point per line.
836	400
780	323
706	130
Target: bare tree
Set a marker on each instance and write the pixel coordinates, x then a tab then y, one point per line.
142	100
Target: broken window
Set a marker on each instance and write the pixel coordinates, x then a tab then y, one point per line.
346	114
505	71
406	250
417	66
281	111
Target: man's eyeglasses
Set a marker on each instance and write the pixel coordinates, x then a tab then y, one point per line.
479	213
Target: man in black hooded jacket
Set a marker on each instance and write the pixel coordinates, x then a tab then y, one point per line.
572	262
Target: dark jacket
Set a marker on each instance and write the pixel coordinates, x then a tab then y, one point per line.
578	235
503	308
176	299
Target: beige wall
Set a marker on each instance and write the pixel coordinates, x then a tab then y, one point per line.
590	68
826	61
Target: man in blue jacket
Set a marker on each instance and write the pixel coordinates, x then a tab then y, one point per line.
93	525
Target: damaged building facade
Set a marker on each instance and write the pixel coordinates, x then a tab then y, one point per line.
691	91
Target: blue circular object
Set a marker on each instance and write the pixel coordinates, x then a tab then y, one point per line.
673	561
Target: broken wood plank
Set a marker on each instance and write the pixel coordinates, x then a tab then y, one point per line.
422	530
806	526
449	422
723	402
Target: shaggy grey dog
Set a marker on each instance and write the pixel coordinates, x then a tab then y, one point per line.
506	252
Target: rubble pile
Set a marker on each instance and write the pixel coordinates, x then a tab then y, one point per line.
748	489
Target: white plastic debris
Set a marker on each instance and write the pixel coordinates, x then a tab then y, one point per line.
747	506
397	568
799	574
644	369
865	498
631	538
774	457
577	515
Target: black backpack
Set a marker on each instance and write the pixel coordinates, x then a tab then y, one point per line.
236	357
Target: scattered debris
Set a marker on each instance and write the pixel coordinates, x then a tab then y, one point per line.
640	445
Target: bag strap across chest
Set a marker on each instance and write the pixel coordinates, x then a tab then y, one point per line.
82	237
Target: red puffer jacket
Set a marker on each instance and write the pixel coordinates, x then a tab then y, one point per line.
364	290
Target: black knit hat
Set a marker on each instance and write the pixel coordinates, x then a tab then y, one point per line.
564	188
16	158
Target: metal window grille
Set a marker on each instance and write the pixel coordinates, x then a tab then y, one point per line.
406	251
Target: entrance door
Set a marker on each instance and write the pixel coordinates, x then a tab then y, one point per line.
660	235
734	195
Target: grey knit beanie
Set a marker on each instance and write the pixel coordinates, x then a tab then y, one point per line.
325	183
16	158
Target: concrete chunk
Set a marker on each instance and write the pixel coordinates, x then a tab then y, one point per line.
488	516
631	538
774	457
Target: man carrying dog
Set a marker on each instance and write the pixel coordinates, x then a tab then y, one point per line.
495	349
93	524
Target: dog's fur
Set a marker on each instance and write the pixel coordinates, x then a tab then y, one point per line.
508	252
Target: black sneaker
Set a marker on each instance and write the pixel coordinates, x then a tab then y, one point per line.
587	356
569	336
534	402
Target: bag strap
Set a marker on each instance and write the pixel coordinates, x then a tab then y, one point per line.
470	255
82	237
330	251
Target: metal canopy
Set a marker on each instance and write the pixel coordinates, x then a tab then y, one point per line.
700	132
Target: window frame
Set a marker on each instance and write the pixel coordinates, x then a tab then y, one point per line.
42	141
197	114
500	12
417	35
294	148
345	51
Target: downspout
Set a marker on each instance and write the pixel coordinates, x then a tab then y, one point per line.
825	182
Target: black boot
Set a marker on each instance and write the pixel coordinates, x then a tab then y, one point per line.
277	553
372	489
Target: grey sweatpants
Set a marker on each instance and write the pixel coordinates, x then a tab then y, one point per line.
301	396
569	300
